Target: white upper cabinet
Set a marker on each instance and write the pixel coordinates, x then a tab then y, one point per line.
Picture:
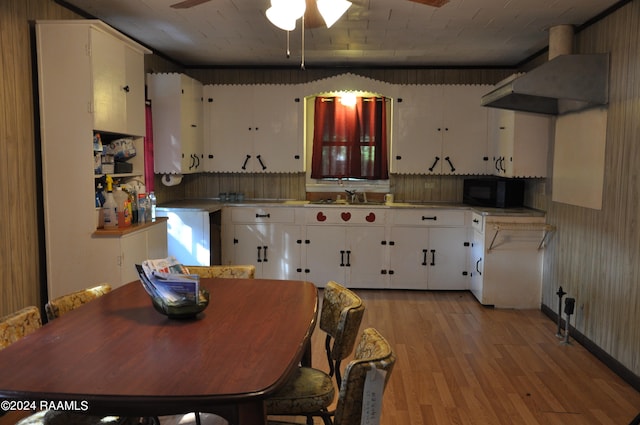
440	129
118	84
519	143
254	128
178	130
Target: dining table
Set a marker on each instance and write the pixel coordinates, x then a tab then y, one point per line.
117	355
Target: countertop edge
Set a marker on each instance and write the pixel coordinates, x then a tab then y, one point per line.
213	205
121	231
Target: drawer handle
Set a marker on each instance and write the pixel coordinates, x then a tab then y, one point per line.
475	220
434	218
268	215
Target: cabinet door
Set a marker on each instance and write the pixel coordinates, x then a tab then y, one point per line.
133	248
408	258
278	134
365	257
283	255
325	254
447	258
465	130
108	71
176	102
272	248
477	265
230	130
191	126
416	141
134	92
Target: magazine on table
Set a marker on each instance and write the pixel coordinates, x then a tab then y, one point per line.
169	280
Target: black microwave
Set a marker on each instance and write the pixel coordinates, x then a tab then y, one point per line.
495	192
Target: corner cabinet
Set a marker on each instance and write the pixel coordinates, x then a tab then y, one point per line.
90	79
254	128
519	142
440	129
178	128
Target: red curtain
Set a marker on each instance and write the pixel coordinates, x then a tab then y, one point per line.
148	150
350	141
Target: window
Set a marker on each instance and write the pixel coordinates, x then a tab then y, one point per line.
350	138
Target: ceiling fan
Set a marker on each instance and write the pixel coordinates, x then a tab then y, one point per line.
312	16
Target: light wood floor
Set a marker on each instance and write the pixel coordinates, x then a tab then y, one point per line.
460	363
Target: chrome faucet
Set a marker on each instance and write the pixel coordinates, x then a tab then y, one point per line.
353	195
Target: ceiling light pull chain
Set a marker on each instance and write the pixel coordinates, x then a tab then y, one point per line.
288	47
302	63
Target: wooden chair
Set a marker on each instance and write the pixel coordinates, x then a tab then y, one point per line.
373	351
228	271
310	391
65	303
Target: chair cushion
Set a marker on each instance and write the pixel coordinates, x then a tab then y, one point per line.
307	391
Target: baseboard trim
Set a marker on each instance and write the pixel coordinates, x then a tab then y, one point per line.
618	368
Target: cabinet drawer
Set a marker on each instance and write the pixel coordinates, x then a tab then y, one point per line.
334	215
429	217
477	221
262	215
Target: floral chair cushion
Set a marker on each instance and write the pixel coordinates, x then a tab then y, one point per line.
308	390
228	271
64	304
372	351
19	324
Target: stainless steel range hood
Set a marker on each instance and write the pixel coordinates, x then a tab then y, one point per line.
565	83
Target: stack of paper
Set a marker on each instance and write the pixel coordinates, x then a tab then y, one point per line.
169	280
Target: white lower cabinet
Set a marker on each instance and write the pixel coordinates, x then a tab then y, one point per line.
506	261
268	238
428	258
350	255
121	253
428	249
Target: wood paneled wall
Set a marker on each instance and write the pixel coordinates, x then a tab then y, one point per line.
595	254
20	197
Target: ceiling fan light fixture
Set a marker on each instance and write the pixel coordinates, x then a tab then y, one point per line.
284	13
332	10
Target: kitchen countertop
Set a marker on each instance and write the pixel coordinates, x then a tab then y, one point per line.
213	205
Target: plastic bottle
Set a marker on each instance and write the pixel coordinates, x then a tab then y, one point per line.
152	202
110	206
123	207
133	204
142	206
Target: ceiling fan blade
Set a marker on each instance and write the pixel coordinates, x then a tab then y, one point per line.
186	4
434	3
